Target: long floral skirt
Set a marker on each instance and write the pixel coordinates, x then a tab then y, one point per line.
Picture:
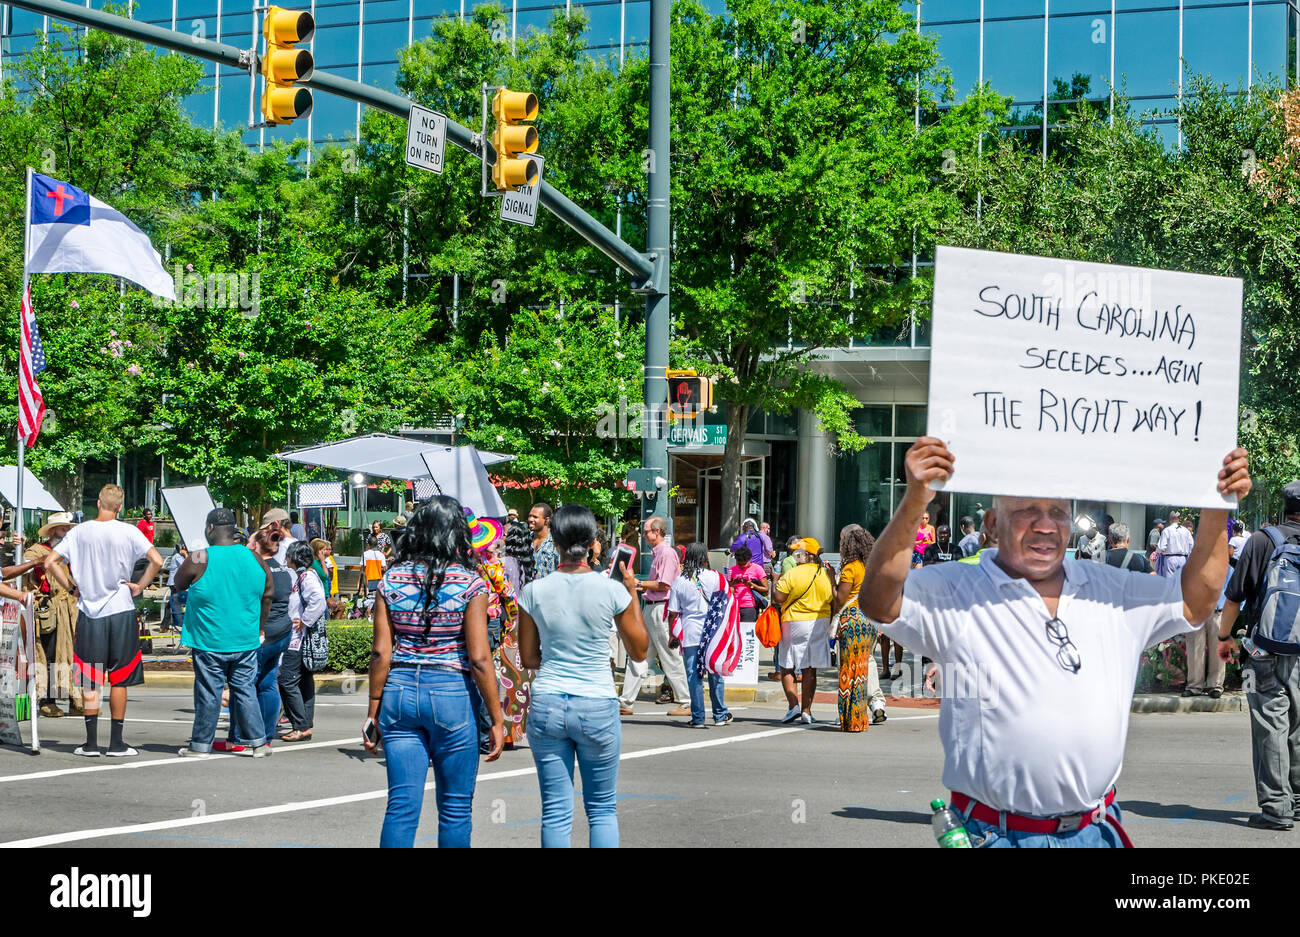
857	638
515	683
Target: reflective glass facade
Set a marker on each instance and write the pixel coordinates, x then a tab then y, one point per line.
1041	52
354	39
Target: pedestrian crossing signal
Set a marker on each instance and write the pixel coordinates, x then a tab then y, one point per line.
511	139
689	396
284	63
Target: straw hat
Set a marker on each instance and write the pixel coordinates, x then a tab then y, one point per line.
59	519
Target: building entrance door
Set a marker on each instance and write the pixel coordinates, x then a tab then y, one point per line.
753	500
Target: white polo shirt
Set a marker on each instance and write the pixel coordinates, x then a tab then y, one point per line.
1020	732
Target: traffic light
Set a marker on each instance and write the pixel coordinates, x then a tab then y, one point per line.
510	139
689	396
283	64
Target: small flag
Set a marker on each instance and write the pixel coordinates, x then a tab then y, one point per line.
31	405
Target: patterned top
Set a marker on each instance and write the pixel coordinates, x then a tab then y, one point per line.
501	595
545	558
444	641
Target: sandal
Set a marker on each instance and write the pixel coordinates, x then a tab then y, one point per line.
296	736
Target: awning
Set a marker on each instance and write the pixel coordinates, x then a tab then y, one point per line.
35	497
378	454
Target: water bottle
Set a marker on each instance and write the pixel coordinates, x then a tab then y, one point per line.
1251	648
948	828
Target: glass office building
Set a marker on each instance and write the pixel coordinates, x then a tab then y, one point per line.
1038	52
356	39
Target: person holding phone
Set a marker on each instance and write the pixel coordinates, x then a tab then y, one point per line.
747	578
574	713
430	650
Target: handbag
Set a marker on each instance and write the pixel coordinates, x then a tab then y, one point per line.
315	641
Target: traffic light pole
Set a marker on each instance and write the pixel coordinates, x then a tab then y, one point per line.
654	445
645	273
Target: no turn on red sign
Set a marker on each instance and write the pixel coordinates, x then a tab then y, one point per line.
426	138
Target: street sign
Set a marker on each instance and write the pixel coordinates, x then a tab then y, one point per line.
520	206
426	138
691	435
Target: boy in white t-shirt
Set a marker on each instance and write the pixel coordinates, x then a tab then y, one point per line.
375	563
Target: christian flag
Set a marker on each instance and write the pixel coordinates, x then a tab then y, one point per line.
70	231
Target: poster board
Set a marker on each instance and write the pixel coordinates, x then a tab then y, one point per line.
189	507
16	674
1063	379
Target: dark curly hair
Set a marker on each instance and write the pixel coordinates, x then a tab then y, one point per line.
855	544
437	535
519	544
696	559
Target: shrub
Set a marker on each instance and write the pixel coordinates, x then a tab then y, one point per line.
350	647
348	542
166	537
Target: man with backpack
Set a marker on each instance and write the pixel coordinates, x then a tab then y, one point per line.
1265	591
1120	556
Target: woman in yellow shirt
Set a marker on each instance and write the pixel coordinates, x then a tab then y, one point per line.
805	594
860	699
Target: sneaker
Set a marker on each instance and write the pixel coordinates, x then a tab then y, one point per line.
792	715
222	745
88	752
807	718
878	716
682	710
191	753
724	720
698	725
1266	821
262	751
127	752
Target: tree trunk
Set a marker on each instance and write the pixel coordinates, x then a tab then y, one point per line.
732	479
70	488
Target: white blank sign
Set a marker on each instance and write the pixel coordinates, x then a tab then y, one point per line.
190	507
1057	378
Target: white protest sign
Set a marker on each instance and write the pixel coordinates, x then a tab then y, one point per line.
520	206
190	506
12	683
426	138
1057	378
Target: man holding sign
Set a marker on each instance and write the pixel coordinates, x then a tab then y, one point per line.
1039	654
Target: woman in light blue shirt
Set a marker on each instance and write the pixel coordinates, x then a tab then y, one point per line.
564	635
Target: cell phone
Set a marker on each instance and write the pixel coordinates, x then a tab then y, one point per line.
370	732
622	557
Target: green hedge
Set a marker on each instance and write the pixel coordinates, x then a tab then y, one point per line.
350	648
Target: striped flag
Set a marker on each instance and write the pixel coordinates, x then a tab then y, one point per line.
31	405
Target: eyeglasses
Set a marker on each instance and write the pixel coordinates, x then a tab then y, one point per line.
1067	655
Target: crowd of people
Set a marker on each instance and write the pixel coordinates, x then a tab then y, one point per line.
489	635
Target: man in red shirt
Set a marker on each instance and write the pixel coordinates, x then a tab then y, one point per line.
146	525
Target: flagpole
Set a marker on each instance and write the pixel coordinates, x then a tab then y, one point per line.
19	530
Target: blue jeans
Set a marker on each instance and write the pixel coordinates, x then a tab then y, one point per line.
177	603
561	726
696	685
1093	836
427	714
267	683
212	671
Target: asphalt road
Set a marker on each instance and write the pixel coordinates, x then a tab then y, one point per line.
1186	782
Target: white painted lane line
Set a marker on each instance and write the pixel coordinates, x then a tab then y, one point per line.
73	836
171	760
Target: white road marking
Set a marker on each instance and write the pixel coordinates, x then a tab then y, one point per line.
73	836
171	760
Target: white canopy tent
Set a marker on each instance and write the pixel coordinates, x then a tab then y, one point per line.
35	497
459	471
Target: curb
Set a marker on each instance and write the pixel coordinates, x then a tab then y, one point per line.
357	684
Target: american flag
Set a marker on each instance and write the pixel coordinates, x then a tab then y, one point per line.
31	405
